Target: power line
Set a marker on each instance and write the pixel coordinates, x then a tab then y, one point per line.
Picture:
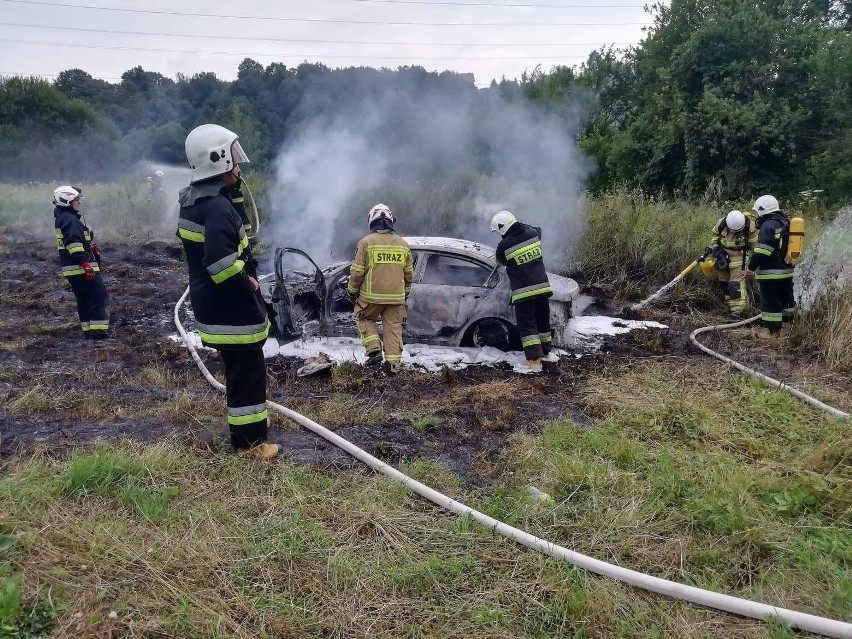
356	56
325	20
313	40
509	5
46	76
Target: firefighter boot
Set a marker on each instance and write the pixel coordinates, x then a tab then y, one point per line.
261	452
391	368
765	334
374	359
534	365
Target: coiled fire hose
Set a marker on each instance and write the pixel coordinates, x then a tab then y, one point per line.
736	605
756	374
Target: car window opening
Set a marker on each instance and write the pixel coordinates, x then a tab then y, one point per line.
452	271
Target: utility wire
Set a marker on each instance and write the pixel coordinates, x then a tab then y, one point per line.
47	76
509	5
324	20
354	56
77	29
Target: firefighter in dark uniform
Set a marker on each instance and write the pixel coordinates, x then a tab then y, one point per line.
80	259
520	252
226	300
768	265
235	194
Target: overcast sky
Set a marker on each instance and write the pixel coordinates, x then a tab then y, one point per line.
490	38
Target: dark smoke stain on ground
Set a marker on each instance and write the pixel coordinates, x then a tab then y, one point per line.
58	392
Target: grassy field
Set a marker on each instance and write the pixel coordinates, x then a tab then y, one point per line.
118	211
675	467
727	486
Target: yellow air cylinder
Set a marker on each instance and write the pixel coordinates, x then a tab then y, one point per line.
796	240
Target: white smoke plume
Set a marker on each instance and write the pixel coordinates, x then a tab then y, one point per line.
443	155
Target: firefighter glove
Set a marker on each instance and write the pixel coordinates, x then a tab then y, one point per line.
96	251
90	272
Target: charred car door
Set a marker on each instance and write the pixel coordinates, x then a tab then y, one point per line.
445	297
299	294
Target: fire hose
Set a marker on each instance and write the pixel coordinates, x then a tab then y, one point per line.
756	374
692	594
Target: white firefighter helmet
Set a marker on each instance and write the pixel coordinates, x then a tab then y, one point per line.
159	173
212	150
64	195
765	204
380	211
502	221
735	221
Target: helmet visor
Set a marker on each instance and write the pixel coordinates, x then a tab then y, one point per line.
237	154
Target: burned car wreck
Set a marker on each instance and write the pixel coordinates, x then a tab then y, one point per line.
459	297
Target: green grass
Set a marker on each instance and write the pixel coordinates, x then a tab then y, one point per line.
728	486
424	423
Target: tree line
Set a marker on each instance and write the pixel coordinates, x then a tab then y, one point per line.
731	97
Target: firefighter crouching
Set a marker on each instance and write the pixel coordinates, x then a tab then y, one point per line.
769	266
520	252
379	284
736	235
80	259
226	300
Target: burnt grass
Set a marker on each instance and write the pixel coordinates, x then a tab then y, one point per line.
58	391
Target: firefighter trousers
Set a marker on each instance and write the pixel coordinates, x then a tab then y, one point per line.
533	319
777	303
393	321
92	300
732	286
245	390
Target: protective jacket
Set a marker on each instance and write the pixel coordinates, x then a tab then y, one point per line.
235	195
73	241
737	245
769	257
230	315
520	252
382	270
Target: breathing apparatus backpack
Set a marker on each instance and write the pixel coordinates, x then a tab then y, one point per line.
795	240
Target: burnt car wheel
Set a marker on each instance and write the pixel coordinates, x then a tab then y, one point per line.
495	333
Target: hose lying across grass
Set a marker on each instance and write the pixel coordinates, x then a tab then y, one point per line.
736	605
758	375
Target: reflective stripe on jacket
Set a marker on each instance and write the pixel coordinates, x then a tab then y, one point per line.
520	252
768	260
737	245
73	241
229	313
382	269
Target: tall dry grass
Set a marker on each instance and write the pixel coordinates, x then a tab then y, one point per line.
827	325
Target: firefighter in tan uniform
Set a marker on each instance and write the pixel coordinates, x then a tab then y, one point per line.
736	233
379	284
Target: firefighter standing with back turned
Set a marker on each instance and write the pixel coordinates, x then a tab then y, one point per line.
769	266
80	259
226	300
379	284
520	252
736	235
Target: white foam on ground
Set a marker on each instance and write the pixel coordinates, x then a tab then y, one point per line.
589	332
586	333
